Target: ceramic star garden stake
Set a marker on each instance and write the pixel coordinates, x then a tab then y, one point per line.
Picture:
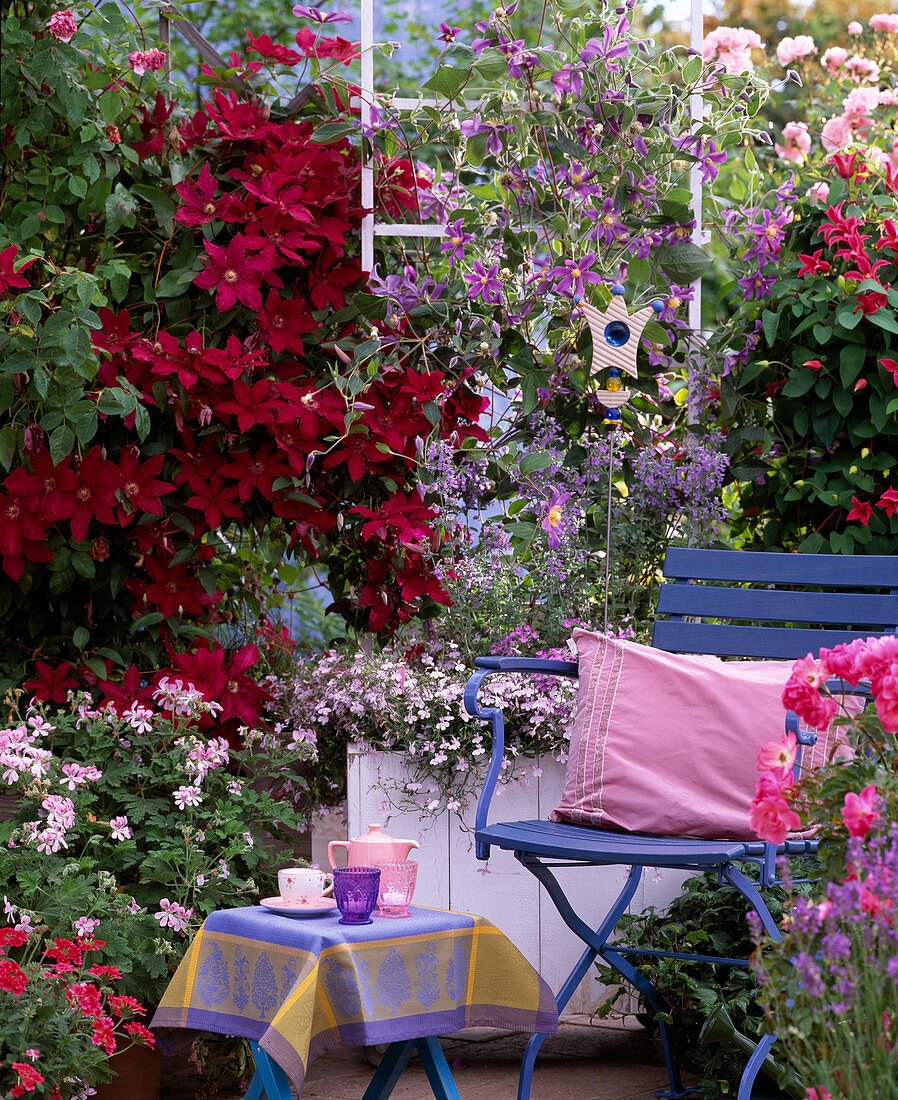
615	341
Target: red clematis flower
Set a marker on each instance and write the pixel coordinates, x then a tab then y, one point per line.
49	489
284	320
271	50
237	275
256	470
839	226
22	537
122	695
891	365
173	590
224	682
850	164
870	302
95	494
11	277
51	685
889	502
408	516
138	489
813	265
237	119
250	404
889	238
338	48
212	499
860	510
198	203
152	127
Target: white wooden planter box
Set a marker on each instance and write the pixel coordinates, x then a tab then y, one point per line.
449	877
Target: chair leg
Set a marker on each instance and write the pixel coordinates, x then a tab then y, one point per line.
753	1067
269	1079
597	940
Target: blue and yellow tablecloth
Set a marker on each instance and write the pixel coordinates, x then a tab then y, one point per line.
300	987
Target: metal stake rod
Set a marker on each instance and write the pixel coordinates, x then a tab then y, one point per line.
611	435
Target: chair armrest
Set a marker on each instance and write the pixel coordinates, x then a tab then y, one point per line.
490	666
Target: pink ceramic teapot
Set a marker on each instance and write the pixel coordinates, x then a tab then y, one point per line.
374	846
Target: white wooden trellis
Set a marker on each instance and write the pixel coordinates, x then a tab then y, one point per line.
371	228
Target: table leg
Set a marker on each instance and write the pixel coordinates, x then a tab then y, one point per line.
389	1071
269	1080
437	1068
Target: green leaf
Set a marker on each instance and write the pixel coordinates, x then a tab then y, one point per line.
799	383
333	131
163	206
81	636
639	271
851	362
491	64
62	443
7	446
77	185
448	82
536	460
371	305
475	150
884	319
656	333
692	70
683	263
770	323
151	619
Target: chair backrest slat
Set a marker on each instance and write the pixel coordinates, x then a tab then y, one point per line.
749	641
759	567
735	614
779	605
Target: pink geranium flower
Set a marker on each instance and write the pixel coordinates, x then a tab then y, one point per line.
859	811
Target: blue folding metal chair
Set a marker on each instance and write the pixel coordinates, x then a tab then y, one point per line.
746	604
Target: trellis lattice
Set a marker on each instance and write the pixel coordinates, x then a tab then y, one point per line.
371	228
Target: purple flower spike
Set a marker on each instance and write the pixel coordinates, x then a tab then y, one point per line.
318	16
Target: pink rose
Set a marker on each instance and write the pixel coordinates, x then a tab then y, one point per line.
792	49
834	59
836	134
778	755
887	701
62	25
771	819
859	811
732	46
862	70
797	142
884	22
859	103
143	60
855	28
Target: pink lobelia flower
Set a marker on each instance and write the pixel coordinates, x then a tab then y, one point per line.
778	754
62	25
859	811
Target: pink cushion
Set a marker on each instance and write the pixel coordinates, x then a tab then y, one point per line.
667	743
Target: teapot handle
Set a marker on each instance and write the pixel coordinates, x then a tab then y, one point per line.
336	844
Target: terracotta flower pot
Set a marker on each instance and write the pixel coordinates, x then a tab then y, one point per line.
138	1075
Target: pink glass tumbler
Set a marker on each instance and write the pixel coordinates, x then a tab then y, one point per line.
397	885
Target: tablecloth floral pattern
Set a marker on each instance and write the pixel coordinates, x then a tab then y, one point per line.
302	987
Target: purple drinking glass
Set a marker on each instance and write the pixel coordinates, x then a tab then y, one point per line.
355	892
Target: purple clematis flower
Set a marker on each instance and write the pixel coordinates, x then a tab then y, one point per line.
492	128
569	78
574	273
484	284
455	240
318	16
553	520
447	33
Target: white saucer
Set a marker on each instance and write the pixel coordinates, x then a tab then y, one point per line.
297	909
